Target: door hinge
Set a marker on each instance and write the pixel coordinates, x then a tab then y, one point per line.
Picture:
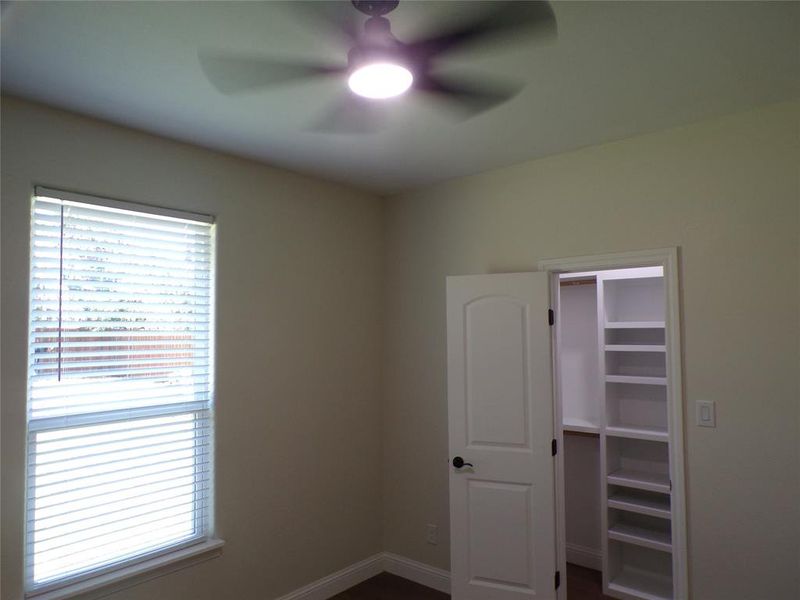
554	447
551	316
558	579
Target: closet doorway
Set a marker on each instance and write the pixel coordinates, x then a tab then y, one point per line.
618	412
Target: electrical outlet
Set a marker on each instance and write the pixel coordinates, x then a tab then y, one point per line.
432	534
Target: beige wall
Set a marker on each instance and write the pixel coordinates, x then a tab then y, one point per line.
724	191
303	269
298	363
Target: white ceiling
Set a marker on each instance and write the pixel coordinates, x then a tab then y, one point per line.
615	70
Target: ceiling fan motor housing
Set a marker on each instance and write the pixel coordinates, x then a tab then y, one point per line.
377	45
360	56
375	8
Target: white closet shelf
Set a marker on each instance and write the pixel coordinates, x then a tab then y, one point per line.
635	348
636	379
642	584
633	273
635	324
655	434
580	426
641	536
644	506
641	480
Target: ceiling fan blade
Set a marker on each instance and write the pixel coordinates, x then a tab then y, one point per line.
351	115
232	74
501	18
469	97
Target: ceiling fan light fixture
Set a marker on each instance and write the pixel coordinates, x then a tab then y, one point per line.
380	80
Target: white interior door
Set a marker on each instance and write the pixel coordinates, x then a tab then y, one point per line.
499	387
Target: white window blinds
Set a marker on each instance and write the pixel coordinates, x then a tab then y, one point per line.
120	391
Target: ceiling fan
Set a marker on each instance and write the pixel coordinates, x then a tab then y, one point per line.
380	67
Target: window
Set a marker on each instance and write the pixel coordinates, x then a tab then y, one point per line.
120	387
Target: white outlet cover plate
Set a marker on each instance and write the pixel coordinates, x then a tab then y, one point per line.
432	534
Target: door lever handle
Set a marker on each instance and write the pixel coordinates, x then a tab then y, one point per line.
458	462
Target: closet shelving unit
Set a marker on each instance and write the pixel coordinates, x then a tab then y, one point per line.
632	425
635	441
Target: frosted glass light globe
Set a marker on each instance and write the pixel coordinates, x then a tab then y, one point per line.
380	80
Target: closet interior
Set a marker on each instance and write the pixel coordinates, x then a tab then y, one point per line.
613	381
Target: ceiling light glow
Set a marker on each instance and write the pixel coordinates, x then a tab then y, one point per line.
380	80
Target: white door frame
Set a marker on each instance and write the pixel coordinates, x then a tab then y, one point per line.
668	259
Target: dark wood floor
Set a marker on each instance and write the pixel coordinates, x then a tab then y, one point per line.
390	587
582	584
585	584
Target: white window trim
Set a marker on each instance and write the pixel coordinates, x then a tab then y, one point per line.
130	575
167	560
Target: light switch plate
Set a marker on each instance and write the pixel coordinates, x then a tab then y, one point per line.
706	413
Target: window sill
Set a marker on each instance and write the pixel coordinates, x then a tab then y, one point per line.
119	579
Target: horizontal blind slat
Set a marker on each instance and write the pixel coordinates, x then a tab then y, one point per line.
87	478
122	497
135	480
133	315
51	284
48	229
51	299
77	355
89	339
70	301
98	554
50	417
79	250
70	468
50	288
141	389
82	218
49	427
120	360
50	270
67	534
97	468
104	352
99	442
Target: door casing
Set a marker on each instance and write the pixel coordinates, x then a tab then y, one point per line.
668	258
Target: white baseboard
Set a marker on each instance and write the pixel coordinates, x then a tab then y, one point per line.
585	557
426	575
336	583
